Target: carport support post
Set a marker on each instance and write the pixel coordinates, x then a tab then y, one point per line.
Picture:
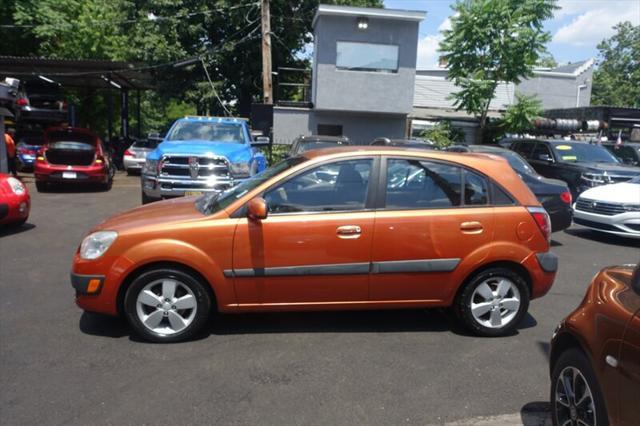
138	116
124	113
4	163
109	113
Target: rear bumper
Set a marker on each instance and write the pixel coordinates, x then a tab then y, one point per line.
159	187
43	114
56	173
561	218
542	268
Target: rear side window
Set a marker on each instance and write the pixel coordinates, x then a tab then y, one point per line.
476	191
413	184
500	197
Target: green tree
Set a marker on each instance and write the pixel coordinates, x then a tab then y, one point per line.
493	41
444	134
547	60
518	117
616	81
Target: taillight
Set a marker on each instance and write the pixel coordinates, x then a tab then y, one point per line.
541	217
22	102
129	153
99	160
566	197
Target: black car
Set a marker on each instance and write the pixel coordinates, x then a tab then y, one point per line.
40	101
307	143
406	143
628	153
553	194
580	164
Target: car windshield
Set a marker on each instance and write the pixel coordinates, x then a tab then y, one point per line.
207	131
572	152
308	146
212	203
147	143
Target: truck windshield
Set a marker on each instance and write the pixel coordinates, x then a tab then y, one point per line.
207	131
573	152
214	202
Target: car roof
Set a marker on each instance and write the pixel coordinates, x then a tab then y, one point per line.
349	151
209	119
320	138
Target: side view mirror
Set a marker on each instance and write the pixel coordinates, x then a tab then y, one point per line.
545	157
257	209
261	141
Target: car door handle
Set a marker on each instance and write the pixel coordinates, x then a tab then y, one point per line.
471	227
349	231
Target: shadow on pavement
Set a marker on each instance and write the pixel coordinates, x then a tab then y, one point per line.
604	238
103	325
555	243
545	348
6	230
536	413
74	188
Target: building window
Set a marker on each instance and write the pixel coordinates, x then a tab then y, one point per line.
367	57
329	130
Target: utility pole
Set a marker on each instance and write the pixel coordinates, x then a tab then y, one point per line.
267	87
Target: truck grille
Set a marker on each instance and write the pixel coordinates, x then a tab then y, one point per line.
619	179
598	207
191	167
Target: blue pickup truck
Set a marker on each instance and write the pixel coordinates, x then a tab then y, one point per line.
201	154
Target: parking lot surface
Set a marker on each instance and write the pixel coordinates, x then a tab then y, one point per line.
61	366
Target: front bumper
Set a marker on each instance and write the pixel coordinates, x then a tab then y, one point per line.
87	285
625	224
160	187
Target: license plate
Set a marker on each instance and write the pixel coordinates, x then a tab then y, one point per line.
190	193
69	175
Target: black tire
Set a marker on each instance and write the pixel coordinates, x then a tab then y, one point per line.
202	299
42	186
146	199
576	359
106	186
462	304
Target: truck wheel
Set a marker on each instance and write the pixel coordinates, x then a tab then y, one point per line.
493	302
146	199
167	305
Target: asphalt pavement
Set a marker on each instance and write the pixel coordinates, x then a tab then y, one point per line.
60	366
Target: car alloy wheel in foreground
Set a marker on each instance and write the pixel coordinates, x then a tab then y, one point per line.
574	404
495	302
166	306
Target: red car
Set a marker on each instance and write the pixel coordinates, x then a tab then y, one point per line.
15	201
72	155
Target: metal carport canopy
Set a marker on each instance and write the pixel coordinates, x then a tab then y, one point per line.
78	72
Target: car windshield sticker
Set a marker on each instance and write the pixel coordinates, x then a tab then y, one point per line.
564	147
569	157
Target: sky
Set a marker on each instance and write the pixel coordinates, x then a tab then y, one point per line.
577	27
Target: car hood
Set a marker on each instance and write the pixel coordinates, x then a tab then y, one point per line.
617	193
233	151
612	168
161	212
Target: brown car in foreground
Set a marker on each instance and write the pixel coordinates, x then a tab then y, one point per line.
595	354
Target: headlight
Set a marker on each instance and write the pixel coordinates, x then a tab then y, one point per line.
94	245
240	169
150	167
595	179
16	186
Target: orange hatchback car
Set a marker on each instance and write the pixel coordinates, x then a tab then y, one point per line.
370	228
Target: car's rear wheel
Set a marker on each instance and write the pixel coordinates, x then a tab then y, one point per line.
493	302
167	305
576	398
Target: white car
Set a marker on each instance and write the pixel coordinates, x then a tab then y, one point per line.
136	155
614	209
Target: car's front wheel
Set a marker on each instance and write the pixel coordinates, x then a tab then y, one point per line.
575	395
167	305
493	302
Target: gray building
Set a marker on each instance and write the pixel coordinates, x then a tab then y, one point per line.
566	86
362	78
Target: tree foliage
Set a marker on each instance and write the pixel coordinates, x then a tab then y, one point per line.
616	81
444	134
493	41
518	117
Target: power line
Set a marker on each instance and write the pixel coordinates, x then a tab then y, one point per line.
151	18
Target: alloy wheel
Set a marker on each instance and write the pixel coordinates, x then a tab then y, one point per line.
495	302
573	399
166	306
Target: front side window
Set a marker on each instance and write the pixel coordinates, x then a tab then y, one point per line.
367	57
414	184
541	152
339	186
